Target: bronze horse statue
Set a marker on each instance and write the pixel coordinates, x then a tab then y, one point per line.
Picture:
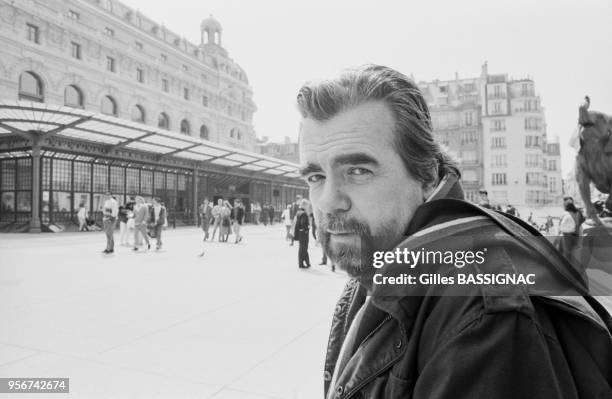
594	159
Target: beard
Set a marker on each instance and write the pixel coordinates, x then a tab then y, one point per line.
354	252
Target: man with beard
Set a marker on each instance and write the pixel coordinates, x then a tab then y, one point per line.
379	181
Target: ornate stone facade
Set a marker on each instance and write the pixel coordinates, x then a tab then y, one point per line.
70	43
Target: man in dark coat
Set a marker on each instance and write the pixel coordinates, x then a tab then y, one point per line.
386	197
302	228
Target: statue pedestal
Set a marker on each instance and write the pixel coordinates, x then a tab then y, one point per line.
595	254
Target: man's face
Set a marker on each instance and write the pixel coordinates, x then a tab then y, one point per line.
362	195
220	202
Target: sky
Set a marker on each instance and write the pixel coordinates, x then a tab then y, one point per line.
565	46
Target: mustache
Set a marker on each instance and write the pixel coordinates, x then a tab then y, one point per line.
340	223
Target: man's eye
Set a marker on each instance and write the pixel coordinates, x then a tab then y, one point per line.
358	171
314	178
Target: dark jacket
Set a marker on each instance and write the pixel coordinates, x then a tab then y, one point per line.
161	220
302	225
438	341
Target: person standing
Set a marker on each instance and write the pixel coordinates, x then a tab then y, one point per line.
237	216
484	199
123	229
271	213
129	206
256	212
301	234
205	211
110	213
216	213
288	221
224	230
141	216
82	217
159	221
294	210
304	203
569	227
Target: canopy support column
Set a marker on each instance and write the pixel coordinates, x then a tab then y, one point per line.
36	184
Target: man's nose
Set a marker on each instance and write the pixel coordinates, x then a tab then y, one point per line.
333	198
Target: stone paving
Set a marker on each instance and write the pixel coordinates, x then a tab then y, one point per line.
242	321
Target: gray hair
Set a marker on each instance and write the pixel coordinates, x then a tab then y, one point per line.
422	155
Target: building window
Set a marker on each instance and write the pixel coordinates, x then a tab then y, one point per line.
75	50
239	135
165	86
138	114
73	15
232	133
185	93
164	57
499	160
109	106
30	87
138	45
163	121
73	97
184	67
110	64
532	141
498	125
468	119
497	107
498	142
33	33
109	32
498	179
204	132
185	127
140	75
205	101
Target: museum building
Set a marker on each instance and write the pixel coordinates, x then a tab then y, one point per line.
95	96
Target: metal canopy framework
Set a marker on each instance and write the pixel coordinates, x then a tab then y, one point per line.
39	120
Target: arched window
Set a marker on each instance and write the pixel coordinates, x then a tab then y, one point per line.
138	114
185	128
204	132
233	133
163	121
73	97
30	87
109	106
239	135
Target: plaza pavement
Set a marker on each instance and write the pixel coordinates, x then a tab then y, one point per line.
240	322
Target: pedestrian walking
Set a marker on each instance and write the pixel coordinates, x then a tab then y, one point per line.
225	224
237	216
82	217
271	214
287	221
123	229
216	213
141	218
110	212
256	212
301	234
159	221
205	211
